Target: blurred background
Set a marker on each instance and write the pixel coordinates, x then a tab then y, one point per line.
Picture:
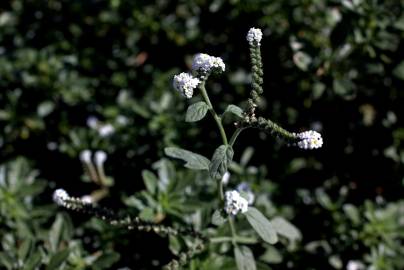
97	75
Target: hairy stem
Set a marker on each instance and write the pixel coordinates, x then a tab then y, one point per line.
233	231
235	135
218	120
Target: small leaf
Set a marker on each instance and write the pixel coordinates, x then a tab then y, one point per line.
261	225
150	181
45	108
57	259
218	218
55	233
175	245
233	109
352	213
193	161
220	161
24	249
399	71
271	255
286	229
196	111
106	260
33	261
244	258
302	60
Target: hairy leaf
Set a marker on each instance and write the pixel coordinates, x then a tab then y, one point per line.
220	161
261	225
244	258
196	111
192	160
286	229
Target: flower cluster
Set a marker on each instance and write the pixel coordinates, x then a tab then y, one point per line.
254	36
60	196
234	203
205	64
309	140
355	265
185	84
103	129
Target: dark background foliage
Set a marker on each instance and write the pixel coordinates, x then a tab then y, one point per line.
334	66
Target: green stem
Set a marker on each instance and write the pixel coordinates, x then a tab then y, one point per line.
218	120
239	239
233	231
235	135
220	188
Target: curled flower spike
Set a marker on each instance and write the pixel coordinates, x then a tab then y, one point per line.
234	203
254	36
85	156
185	84
204	64
309	140
99	158
106	130
60	196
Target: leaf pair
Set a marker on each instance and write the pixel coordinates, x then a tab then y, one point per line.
217	166
198	110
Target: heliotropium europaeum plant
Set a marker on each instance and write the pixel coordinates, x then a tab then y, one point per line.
232	203
235	205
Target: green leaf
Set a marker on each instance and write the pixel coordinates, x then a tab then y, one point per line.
55	233
193	161
106	260
233	109
7	261
220	161
150	181
33	261
261	225
244	258
352	213
399	71
218	218
271	255
24	249
57	259
286	229
45	108
196	111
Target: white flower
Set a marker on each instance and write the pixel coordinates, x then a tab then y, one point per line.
234	203
185	84
122	120
92	122
99	158
85	156
355	265
309	140
106	130
205	63
87	199
225	178
59	196
254	36
246	192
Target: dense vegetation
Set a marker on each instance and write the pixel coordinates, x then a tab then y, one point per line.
333	66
